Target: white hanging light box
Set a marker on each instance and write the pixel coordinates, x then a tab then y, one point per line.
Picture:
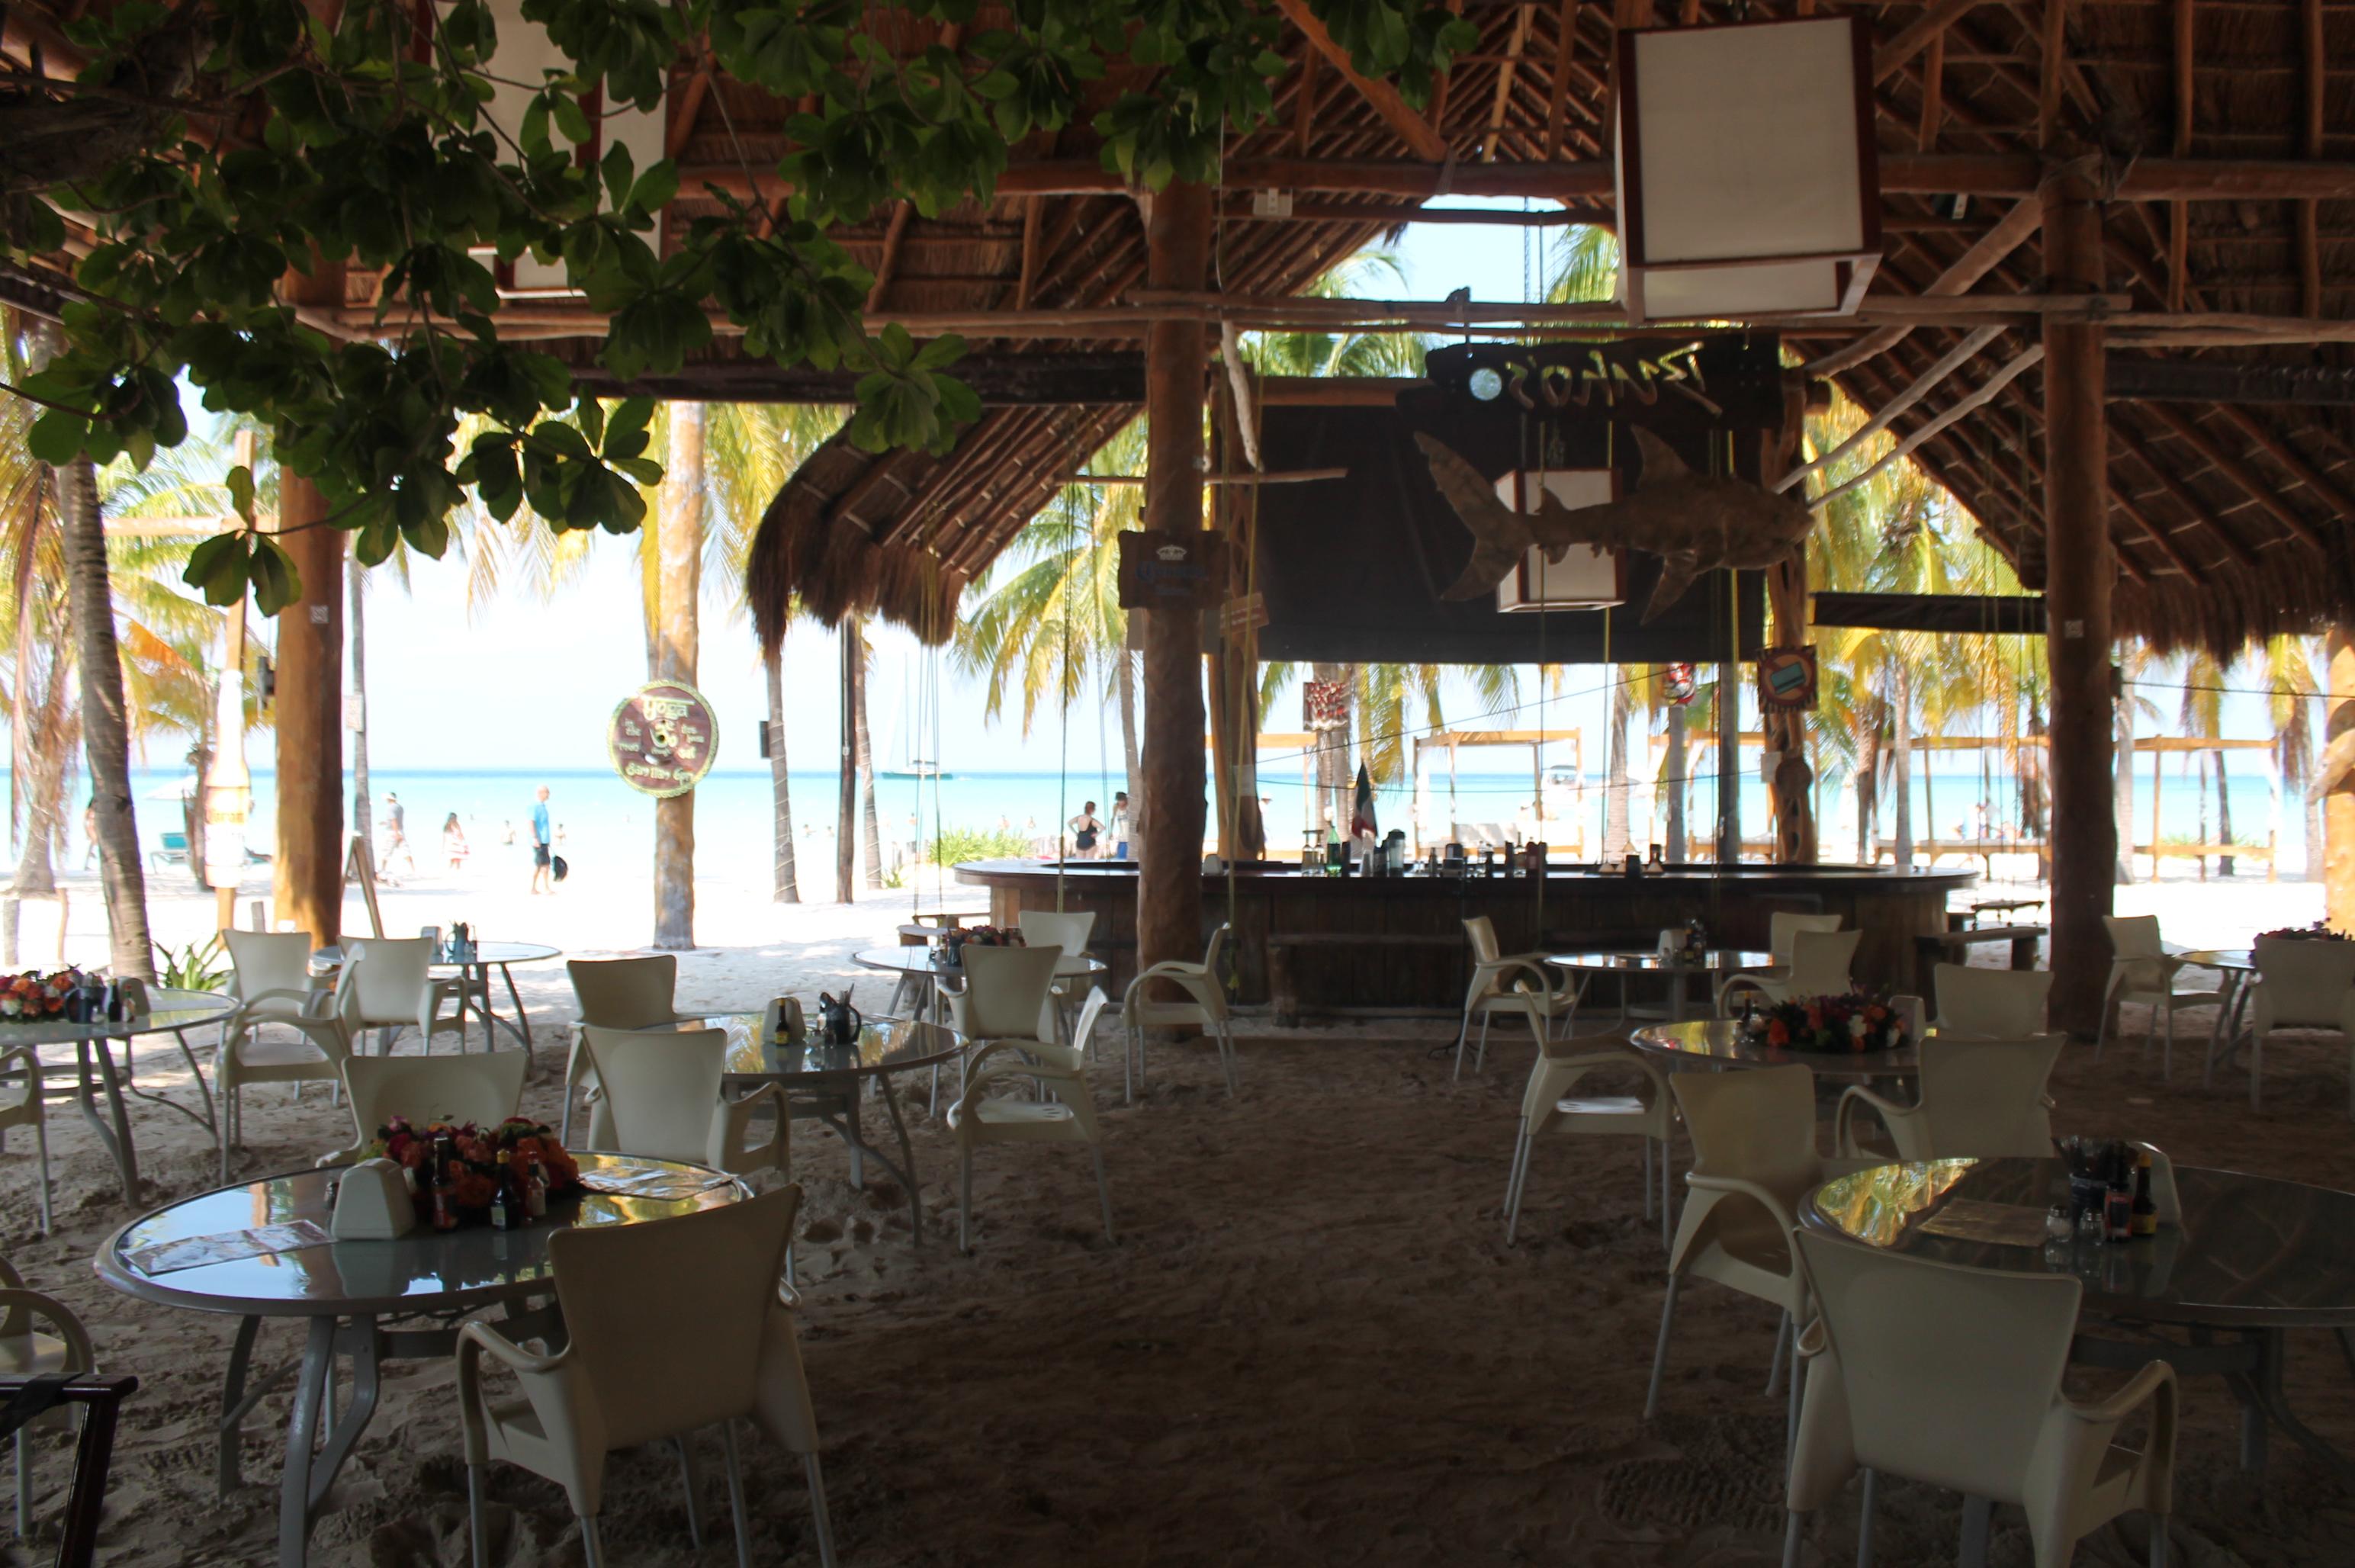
1583	578
1748	177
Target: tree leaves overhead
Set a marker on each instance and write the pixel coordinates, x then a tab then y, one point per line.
360	144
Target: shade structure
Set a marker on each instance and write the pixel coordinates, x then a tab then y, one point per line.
1747	177
1580	577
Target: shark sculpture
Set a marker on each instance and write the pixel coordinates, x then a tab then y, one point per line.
1693	522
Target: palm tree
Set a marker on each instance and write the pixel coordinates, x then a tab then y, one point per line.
2203	717
2289	667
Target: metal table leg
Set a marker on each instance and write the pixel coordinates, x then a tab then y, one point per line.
205	1120
302	1435
115	1139
907	1153
2270	1404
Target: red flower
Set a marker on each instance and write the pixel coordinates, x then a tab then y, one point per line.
1776	1032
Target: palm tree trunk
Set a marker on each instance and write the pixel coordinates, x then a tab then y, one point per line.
362	821
1333	778
1868	784
2223	815
679	559
846	826
1614	799
106	735
785	883
1676	772
2313	845
874	831
1901	765
2126	752
1131	778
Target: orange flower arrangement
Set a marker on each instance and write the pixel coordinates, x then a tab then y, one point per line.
1856	1022
474	1173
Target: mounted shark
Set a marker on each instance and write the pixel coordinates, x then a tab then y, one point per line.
1692	522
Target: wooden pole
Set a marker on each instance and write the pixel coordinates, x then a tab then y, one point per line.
2081	568
845	825
1792	783
678	545
2338	805
307	876
1169	882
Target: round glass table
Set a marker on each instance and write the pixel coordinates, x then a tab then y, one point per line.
1713	964
2252	1258
474	975
1718	1043
168	1012
825	1082
261	1249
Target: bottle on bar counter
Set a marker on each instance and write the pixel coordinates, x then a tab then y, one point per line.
2146	1211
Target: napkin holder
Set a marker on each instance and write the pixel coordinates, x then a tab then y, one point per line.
782	1021
1911	1016
373	1203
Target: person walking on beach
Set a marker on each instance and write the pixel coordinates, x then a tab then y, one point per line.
396	836
541	844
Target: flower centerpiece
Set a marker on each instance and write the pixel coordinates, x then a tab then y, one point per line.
2319	932
954	942
1857	1021
472	1170
36	997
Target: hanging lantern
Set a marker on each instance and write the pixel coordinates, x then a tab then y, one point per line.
1580	577
1748	177
1679	684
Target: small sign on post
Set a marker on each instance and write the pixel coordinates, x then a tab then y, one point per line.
1786	678
662	739
1164	568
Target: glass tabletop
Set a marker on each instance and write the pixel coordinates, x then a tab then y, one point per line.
485	953
925	961
885	1045
1718	1042
425	1270
2220	958
1647	961
2251	1251
166	1010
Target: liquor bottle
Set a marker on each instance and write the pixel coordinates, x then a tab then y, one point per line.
1656	865
2118	1213
445	1188
2146	1211
113	1001
535	1192
503	1196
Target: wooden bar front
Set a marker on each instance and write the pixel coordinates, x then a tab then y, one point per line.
1347	945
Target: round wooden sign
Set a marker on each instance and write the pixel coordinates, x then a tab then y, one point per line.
662	739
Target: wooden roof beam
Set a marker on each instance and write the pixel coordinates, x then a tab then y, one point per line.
2237	472
1915	36
2191	500
1413	129
2011	231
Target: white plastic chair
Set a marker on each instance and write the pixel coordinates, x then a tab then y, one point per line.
1548	1105
2142	971
481	1087
1995	1004
1202	1009
26	1351
1820	966
1952	1376
392	987
2300	984
26	1110
1783	928
1979	1098
659	1095
615	993
1002	996
1068	933
270	984
1754	1159
1515	983
1064	1112
671	1325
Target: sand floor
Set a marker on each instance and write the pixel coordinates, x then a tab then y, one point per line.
1309	1346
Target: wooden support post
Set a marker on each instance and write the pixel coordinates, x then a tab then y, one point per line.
1169	881
1792	783
307	876
2338	805
2081	569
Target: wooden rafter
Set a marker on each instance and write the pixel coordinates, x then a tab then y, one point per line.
1565	43
1983	255
2309	248
1381	96
1512	61
1915	36
2266	495
2178	233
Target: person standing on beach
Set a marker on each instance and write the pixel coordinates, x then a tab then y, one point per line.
396	836
1120	825
1086	827
541	881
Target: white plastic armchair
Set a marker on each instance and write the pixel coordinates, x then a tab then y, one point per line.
1548	1105
1517	984
1754	1137
1068	933
1820	966
615	993
393	986
1064	1112
2300	985
26	1350
1979	1099
1203	1009
28	1109
270	981
1990	1004
631	1372
659	1095
1986	1350
482	1087
1783	928
2142	971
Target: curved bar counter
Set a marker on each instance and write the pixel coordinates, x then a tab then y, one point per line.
1396	945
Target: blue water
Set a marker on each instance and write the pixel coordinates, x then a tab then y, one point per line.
599	817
